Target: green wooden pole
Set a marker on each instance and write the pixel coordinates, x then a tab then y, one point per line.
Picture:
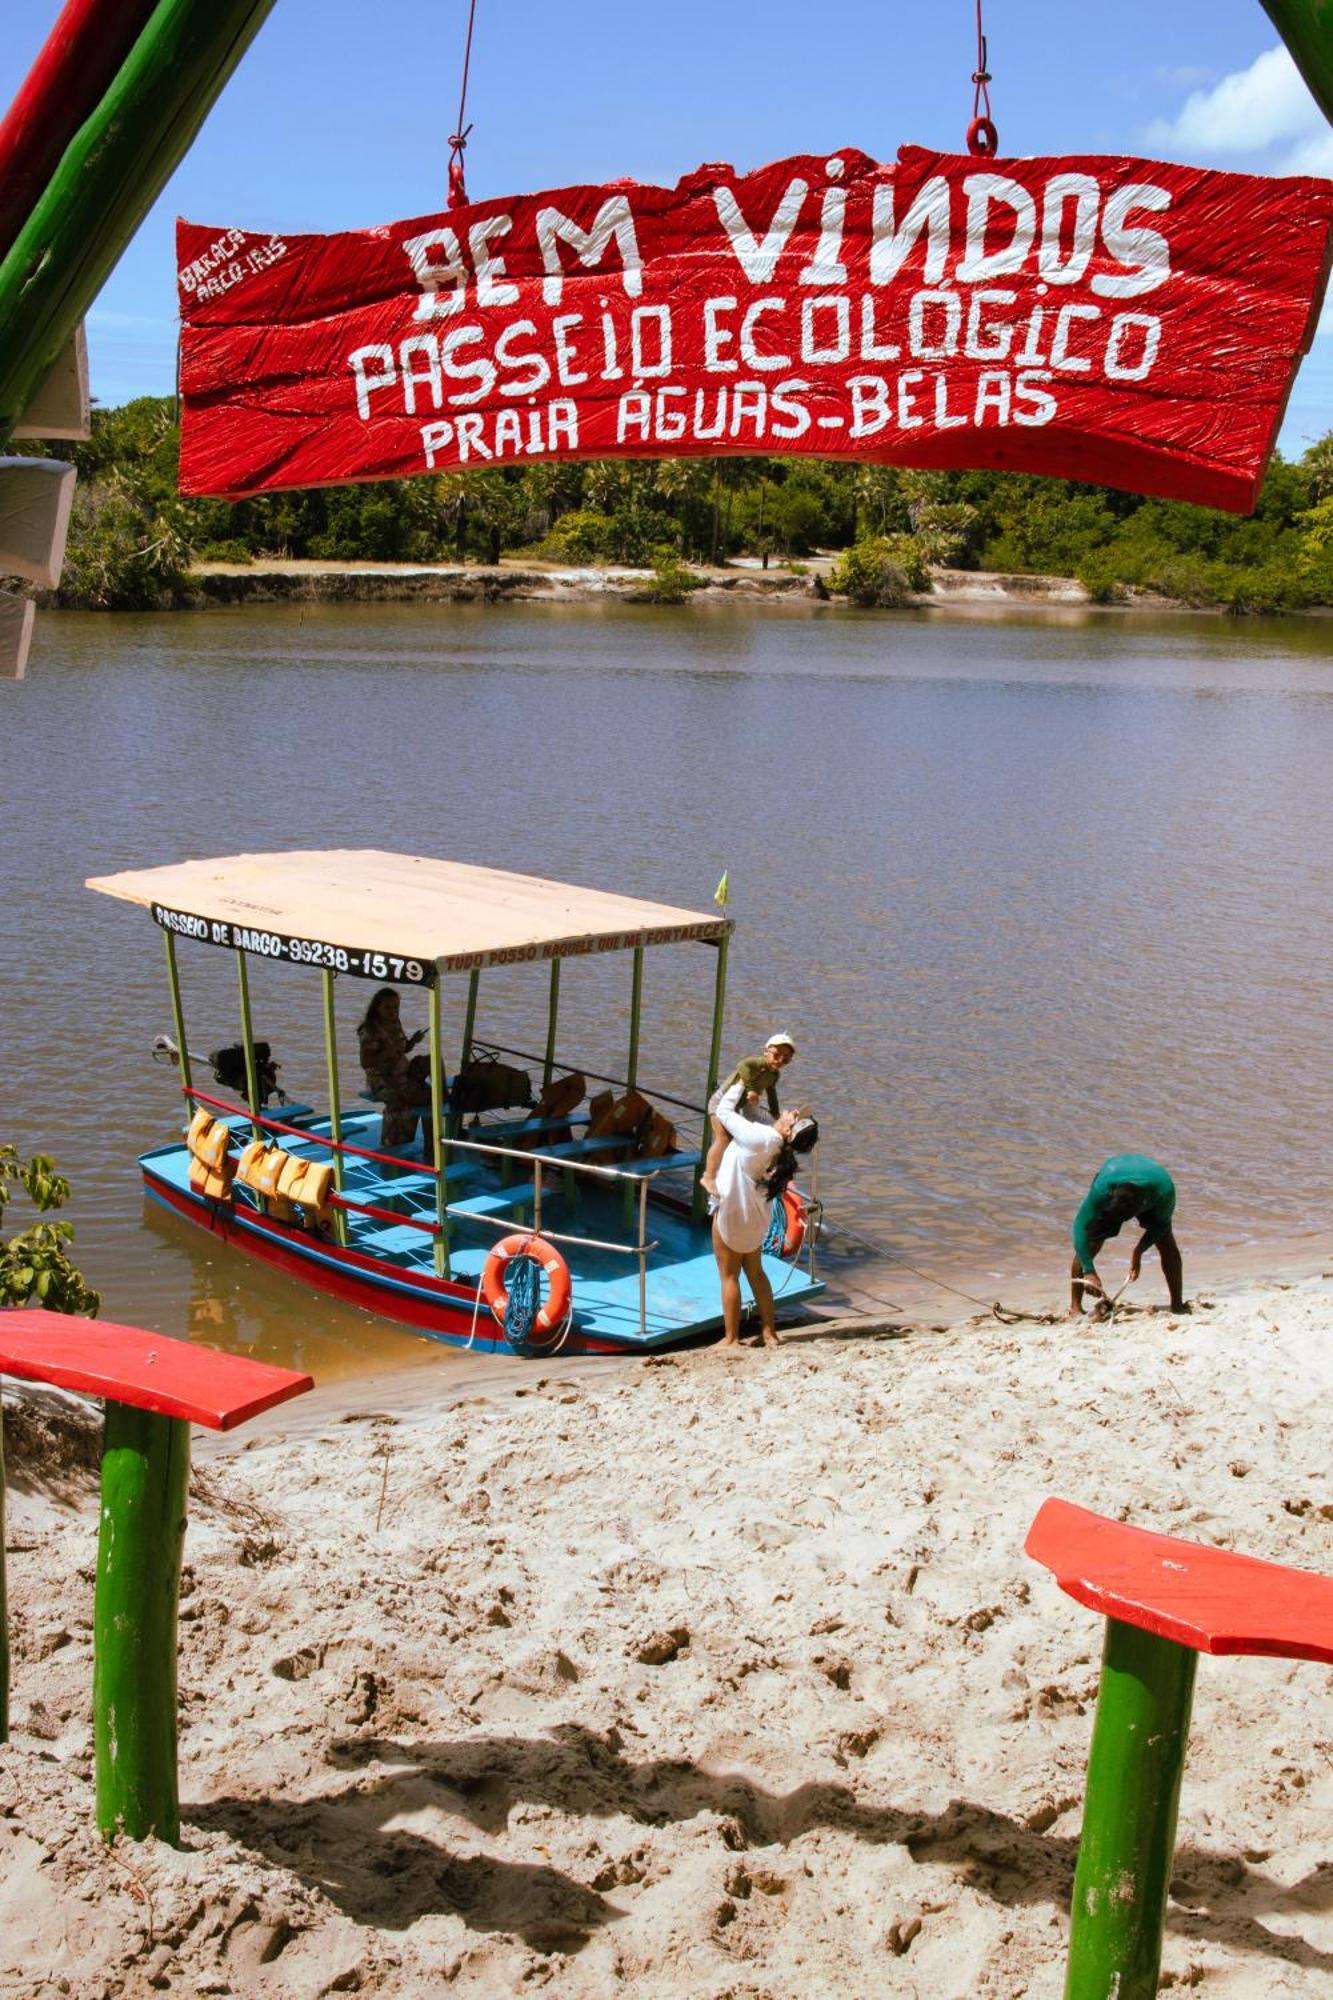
145	1487
1306	26
178	1015
632	1066
552	1015
4	1602
437	1123
714	1063
635	1016
248	1041
470	1018
335	1103
1135	1766
109	177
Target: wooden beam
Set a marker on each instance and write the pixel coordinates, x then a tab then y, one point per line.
73	70
108	178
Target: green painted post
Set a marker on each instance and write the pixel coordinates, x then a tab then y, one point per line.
248	1041
1306	26
335	1103
108	178
632	1066
714	1063
438	1133
1135	1766
4	1602
635	1016
552	1015
470	1018
145	1486
178	1015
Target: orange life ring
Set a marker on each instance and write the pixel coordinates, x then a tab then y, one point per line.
795	1209
555	1308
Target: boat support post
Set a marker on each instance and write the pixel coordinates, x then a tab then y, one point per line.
178	1017
248	1039
470	1018
335	1104
714	1062
438	1135
552	1014
632	1065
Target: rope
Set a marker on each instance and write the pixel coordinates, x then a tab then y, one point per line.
458	138
882	1250
524	1301
982	138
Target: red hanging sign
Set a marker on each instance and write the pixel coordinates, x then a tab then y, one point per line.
1102	319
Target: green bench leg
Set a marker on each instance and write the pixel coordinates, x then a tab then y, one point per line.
1135	1766
145	1486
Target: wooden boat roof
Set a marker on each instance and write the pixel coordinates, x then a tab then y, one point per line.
395	916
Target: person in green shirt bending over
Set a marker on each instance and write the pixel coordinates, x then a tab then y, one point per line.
751	1075
1128	1184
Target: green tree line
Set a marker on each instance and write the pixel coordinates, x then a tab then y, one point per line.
133	538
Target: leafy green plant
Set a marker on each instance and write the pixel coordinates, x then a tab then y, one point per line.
672	582
885	571
34	1265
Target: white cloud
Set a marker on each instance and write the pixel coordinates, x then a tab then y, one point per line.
1265	109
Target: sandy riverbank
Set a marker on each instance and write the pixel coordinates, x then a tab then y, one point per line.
716	1675
291	580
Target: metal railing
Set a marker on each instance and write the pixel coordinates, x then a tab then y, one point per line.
639	1249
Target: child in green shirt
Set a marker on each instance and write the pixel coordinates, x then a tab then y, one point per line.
753	1074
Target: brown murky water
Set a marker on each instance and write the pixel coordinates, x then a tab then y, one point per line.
1027	891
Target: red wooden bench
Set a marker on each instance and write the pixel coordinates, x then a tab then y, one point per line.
154	1389
1165	1601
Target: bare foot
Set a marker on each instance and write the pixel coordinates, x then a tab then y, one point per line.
728	1340
770	1338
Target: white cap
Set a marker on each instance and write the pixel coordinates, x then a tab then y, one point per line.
780	1042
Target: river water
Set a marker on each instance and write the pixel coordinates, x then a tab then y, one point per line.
1027	890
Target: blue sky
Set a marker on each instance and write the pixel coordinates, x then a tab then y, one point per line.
339	115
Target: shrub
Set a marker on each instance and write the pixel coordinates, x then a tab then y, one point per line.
581	536
672	582
885	571
34	1266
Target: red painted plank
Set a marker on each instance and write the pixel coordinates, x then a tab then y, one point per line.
145	1370
1090	317
1210	1599
76	63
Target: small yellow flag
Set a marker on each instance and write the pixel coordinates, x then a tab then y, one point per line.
722	891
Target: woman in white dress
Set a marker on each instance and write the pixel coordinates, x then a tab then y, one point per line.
756	1167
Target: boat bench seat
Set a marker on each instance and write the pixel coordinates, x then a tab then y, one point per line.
659	1165
515	1128
493	1204
393	1240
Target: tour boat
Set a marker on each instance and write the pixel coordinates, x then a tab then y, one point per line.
600	1199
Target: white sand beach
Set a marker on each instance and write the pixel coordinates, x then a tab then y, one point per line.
710	1675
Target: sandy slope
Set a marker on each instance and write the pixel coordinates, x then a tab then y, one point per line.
724	1675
